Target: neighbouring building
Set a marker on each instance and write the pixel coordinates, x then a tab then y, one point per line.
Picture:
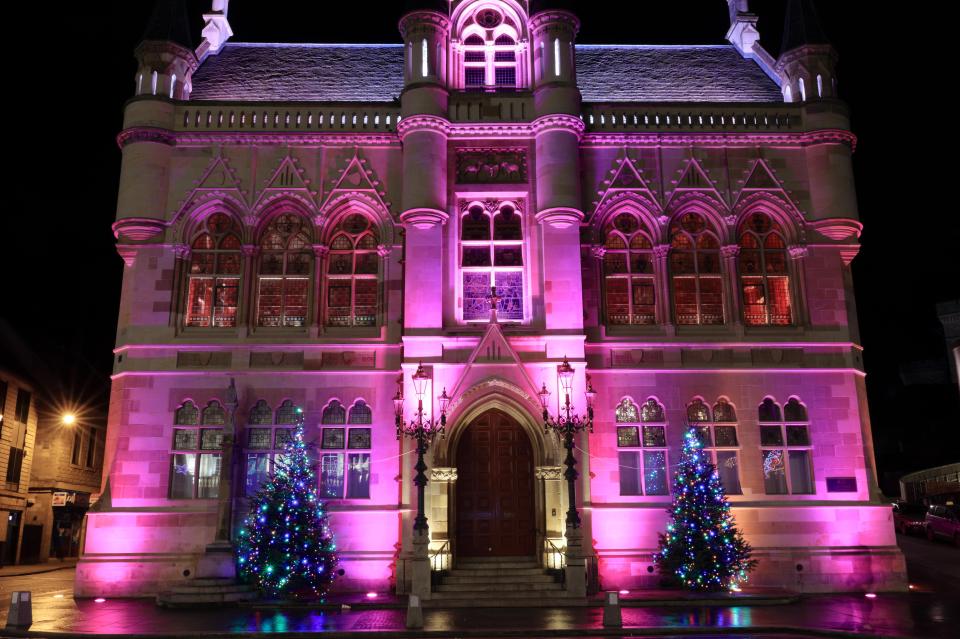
18	429
65	475
315	221
949	314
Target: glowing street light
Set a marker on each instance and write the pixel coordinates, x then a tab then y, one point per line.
69	419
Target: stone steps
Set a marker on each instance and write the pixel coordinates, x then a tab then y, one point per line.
497	582
196	592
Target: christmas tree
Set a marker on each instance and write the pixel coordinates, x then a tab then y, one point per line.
285	545
702	549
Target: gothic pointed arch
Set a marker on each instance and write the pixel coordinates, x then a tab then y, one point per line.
288	180
353	270
213	270
285	267
696	277
358	184
629	278
781	210
218	185
764	271
490	44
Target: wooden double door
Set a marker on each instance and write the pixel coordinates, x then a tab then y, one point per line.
495	500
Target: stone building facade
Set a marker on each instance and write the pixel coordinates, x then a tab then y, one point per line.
316	221
18	430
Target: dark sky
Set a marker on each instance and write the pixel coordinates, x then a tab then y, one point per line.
74	67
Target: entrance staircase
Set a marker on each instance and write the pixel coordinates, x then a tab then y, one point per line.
206	591
499	582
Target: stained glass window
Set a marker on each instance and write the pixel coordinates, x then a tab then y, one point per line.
628	437
353	273
695	272
334	413
787	463
496	262
286	265
764	280
652	411
287	413
360	413
359	438
213	280
334	438
627	412
628	272
259	437
723	411
261	413
717	439
697	412
187	415
194	470
214	414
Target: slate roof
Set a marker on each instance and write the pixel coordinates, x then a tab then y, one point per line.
374	73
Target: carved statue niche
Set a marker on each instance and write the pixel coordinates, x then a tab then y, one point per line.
492	166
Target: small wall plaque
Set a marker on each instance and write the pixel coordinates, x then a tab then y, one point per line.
841	484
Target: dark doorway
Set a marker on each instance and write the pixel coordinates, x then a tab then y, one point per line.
30	547
495	515
8	556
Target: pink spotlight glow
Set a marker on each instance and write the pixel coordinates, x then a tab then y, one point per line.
99	600
624	592
871	595
371	595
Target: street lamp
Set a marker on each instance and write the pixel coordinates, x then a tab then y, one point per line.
566	425
69	419
422	431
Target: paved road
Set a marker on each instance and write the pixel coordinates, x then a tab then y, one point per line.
932	565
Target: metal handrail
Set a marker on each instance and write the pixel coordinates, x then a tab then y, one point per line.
437	563
556	560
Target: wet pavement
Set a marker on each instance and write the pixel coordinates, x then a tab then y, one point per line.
931	609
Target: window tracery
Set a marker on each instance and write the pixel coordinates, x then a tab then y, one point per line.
216	265
286	267
491	249
695	272
353	273
628	272
490	50
764	280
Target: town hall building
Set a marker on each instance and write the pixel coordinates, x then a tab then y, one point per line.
309	226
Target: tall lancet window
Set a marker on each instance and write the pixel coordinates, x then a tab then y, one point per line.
763	273
695	272
491	250
352	275
628	272
286	266
490	52
214	277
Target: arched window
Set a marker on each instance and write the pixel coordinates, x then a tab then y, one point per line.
642	445
719	440
195	451
360	413
286	266
334	413
214	277
786	449
490	51
261	413
288	413
492	255
628	272
695	272
353	274
763	273
698	412
268	434
187	415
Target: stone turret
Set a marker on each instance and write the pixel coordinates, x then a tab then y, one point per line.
807	63
165	56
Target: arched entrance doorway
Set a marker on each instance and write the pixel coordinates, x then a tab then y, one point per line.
495	489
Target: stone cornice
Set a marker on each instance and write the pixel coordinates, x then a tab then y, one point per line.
424	218
305	139
417	123
138	229
146	134
544	19
560	217
423	20
810	138
559	122
447	474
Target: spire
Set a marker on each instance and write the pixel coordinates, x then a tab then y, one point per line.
169	22
743	32
802	26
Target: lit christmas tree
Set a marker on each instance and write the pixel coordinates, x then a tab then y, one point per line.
702	548
285	546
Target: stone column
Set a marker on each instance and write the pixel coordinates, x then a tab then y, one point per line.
320	252
441	479
246	312
661	257
181	262
217	560
731	288
549	497
798	291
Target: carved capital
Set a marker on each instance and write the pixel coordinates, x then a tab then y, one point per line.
250	250
798	252
730	251
847	254
146	134
560	217
552	473
661	251
138	229
598	252
383	250
417	123
443	474
320	251
423	218
570	123
181	252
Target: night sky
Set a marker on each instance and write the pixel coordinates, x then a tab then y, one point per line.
68	72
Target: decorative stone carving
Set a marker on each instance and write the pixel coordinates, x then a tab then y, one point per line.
492	166
598	252
730	250
798	252
661	251
443	474
553	473
560	217
138	229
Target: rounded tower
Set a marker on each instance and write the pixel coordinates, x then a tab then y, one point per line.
807	63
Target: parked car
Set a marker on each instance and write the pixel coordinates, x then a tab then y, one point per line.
909	519
943	521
